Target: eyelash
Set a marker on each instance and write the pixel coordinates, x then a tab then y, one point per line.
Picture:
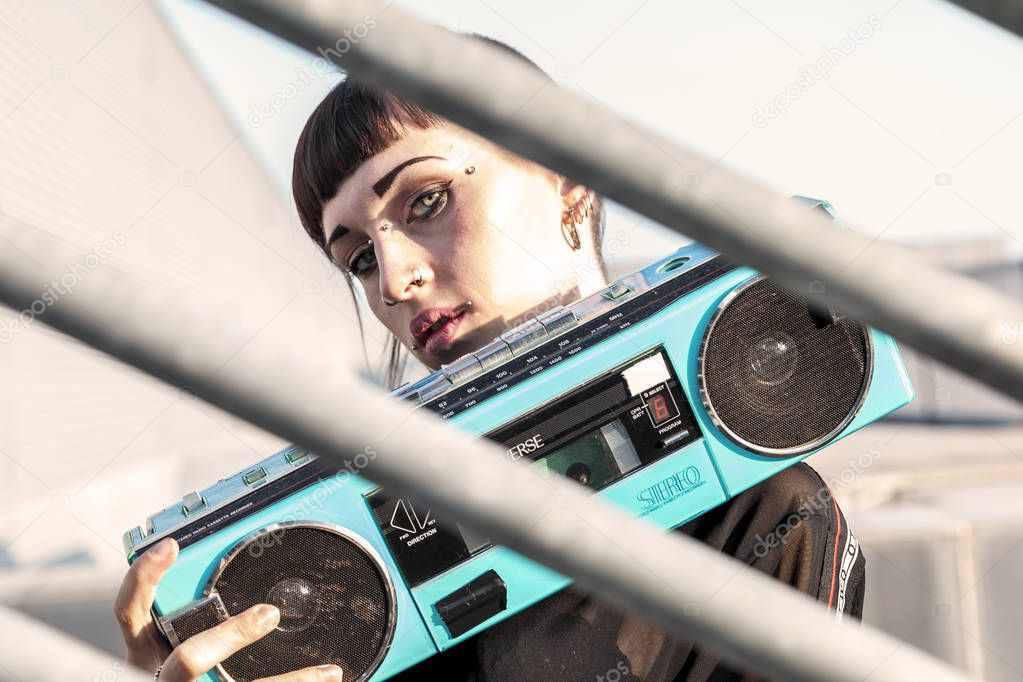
445	194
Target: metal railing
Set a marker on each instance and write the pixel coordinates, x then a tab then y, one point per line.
672	579
1005	13
30	650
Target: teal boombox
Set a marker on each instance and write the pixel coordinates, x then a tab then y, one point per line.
668	392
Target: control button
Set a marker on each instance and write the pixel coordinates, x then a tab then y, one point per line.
524	336
436	384
255	476
296	455
668	442
462	369
192	502
617	290
557	320
493	354
406	392
470	605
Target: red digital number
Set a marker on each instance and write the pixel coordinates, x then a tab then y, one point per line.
661	411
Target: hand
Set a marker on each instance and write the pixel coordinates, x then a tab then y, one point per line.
148	649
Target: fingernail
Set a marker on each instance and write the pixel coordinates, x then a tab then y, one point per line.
331	672
163	548
267	615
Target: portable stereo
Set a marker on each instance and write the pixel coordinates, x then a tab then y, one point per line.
670	391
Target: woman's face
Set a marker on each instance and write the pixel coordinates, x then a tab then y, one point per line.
491	236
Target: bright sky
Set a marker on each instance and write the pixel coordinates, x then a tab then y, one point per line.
913	130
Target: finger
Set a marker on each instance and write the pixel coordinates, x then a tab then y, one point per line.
197	654
319	673
138	589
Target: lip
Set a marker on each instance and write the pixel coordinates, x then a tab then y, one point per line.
434	328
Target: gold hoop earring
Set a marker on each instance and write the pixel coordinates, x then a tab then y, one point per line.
570	234
576	215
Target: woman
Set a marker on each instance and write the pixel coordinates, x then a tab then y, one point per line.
450	240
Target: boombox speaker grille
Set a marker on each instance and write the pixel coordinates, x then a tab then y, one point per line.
334	595
778	378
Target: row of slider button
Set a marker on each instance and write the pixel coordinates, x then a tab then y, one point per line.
512	343
253	478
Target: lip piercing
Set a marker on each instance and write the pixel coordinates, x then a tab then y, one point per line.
470	170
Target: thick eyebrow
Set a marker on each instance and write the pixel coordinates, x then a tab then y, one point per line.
380	187
339	231
384	183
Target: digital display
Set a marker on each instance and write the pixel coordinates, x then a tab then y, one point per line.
661	406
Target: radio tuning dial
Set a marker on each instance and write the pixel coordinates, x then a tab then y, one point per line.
493	354
464	368
524	336
434	387
557	320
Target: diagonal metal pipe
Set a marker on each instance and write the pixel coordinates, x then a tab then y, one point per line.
1005	13
494	94
31	650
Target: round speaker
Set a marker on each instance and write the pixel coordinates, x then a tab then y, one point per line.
333	591
778	378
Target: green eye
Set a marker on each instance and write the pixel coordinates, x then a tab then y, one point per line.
429	203
363	262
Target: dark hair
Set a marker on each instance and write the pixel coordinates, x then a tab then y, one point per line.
354	122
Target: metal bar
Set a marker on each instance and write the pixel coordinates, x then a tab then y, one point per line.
752	620
31	650
1005	13
944	315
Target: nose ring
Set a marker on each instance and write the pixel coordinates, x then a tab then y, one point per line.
418	281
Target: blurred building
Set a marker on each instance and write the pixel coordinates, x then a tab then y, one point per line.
945	395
